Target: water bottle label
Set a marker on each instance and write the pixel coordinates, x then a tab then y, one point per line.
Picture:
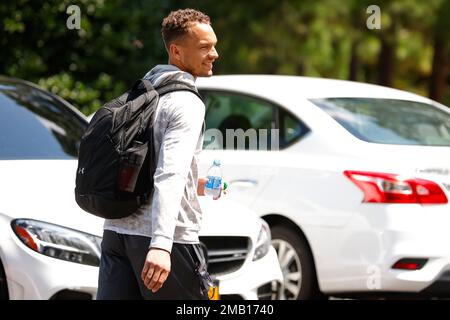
213	182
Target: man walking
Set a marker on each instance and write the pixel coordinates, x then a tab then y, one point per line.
155	252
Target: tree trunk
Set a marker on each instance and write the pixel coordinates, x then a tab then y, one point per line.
386	62
354	62
441	70
300	68
441	55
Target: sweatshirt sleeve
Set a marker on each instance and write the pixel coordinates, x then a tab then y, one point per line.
184	123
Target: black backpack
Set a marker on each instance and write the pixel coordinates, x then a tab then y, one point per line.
116	160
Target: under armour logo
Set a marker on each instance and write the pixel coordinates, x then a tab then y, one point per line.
81	171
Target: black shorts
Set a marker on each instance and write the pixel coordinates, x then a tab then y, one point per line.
122	260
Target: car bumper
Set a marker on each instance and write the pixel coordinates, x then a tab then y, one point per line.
379	236
33	276
253	276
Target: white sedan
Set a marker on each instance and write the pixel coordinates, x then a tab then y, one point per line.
50	249
353	179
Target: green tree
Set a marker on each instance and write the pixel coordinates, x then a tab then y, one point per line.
117	43
441	56
120	40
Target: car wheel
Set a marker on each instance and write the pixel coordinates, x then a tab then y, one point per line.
300	282
3	285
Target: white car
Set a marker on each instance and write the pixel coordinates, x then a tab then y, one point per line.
50	248
353	179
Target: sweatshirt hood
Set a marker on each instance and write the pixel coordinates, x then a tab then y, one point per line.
163	73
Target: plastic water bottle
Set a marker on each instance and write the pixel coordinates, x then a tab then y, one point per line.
214	184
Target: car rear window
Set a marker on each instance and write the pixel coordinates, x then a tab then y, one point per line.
390	121
34	125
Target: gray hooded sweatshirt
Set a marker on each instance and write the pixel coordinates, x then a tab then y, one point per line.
173	213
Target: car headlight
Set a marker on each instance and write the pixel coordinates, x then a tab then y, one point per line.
58	242
264	241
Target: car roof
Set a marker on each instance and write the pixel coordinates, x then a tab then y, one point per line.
4	80
14	82
277	87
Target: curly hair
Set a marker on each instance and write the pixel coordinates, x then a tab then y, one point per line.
177	24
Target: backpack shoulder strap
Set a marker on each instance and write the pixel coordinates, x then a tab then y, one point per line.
146	84
175	85
139	88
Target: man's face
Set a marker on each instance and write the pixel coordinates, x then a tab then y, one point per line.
196	52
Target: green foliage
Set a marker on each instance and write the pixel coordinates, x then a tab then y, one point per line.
120	40
86	98
315	38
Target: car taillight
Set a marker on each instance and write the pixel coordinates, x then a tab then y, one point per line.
393	188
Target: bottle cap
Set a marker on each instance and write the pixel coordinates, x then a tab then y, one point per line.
216	162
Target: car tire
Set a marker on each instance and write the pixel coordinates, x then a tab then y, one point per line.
296	262
3	284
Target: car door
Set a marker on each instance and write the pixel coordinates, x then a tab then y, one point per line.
243	132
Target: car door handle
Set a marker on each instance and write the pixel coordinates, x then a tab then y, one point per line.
244	183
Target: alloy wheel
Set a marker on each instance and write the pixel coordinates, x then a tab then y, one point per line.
291	269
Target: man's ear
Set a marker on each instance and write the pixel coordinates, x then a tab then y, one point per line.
174	51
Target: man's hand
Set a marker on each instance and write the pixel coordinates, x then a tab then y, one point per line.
201	188
156	269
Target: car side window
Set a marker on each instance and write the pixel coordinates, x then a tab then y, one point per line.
291	128
237	122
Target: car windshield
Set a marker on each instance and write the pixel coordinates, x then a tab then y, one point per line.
34	125
390	121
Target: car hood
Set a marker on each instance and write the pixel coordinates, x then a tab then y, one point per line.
228	218
44	190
